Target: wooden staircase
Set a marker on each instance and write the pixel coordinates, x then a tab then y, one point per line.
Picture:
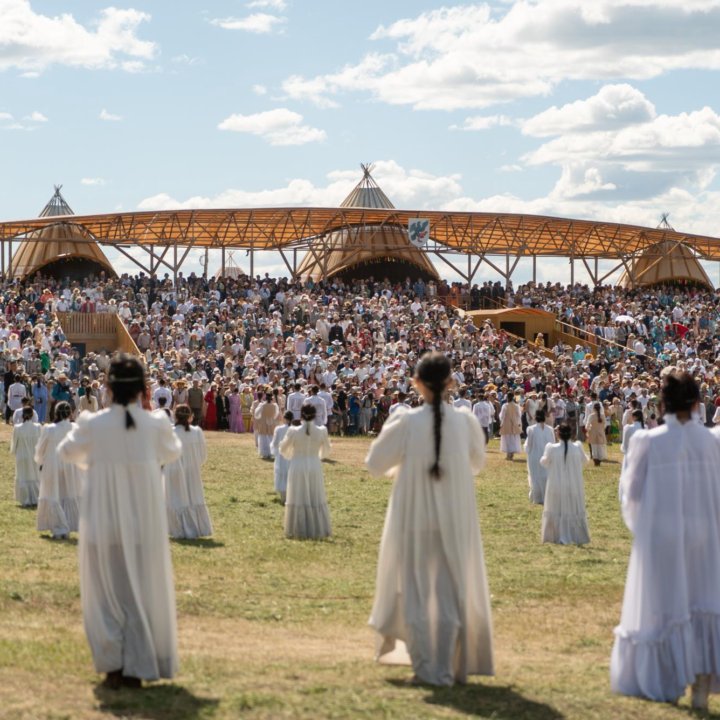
92	332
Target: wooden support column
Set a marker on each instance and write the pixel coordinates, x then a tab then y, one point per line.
572	270
10	259
534	261
595	279
2	257
207	260
252	263
507	271
222	261
175	266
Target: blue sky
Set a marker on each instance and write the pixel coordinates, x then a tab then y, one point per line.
600	110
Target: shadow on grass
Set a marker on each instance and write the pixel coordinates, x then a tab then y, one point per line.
487	701
157	702
66	541
198	542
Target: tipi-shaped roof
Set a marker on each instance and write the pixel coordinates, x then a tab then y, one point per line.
63	249
666	263
367	250
367	193
232	270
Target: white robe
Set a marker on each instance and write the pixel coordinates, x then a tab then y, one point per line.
60	483
306	510
432	604
669	631
187	513
27	477
564	519
538	436
281	464
126	583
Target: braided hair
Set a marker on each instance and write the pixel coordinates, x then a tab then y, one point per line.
62	411
126	380
565	434
183	415
433	371
308	413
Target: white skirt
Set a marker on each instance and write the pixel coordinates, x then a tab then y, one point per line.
510	443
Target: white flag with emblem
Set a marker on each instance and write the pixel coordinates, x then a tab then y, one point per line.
419	231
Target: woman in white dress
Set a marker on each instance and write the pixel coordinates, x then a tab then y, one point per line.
187	513
432	604
281	464
510	427
564	519
595	433
266	416
306	510
668	633
126	582
638	423
60	483
538	436
25	438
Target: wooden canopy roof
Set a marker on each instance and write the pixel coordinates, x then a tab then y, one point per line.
298	227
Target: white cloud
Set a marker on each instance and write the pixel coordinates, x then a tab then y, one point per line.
32	42
37	117
278	5
614	106
408	188
474	56
485	122
259	23
278	127
259	89
5	116
92	181
109	117
184	59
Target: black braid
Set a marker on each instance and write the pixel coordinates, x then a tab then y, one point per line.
565	434
434	370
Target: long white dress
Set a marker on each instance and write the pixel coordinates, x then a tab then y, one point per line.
60	483
669	631
538	436
432	604
187	513
306	510
564	519
25	438
281	464
126	582
510	442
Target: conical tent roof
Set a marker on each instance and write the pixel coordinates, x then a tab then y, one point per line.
663	264
232	270
366	250
63	249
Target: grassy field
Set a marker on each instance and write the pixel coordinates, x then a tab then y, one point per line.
271	628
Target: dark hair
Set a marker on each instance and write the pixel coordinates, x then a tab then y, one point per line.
288	416
27	413
126	379
597	408
564	433
679	392
183	415
638	415
308	413
62	411
269	397
540	416
433	371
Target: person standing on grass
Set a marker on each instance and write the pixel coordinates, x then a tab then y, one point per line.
538	436
510	427
281	464
25	438
266	417
564	519
306	510
432	604
60	483
126	582
595	432
668	633
187	513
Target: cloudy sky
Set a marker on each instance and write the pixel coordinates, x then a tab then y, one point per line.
602	109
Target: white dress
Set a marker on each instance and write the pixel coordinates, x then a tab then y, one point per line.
27	477
564	519
538	436
60	483
187	513
126	582
432	604
669	631
281	464
306	510
510	443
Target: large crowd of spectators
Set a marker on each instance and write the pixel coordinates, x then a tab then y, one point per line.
221	345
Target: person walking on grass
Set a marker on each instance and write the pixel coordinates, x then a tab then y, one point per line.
564	519
595	431
25	437
281	464
432	604
668	634
60	482
538	436
306	511
510	427
187	513
126	582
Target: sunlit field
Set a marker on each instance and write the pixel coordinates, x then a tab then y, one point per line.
271	628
